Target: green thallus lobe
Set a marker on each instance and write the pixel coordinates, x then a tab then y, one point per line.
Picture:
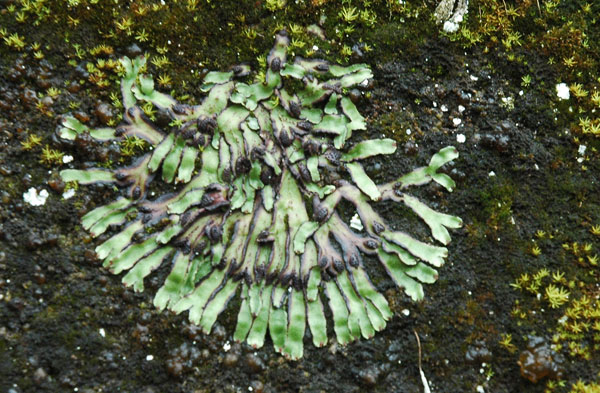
257	170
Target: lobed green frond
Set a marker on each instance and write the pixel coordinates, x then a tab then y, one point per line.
255	212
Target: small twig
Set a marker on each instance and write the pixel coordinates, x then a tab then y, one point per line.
424	381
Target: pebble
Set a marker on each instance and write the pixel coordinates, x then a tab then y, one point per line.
182	359
231	359
478	353
73	87
141	333
29	97
39	376
81	116
57	185
410	148
369	377
133	50
103	112
256	386
255	363
539	361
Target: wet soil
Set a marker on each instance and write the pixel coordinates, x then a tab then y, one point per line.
66	324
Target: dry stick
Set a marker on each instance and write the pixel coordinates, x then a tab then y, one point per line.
423	379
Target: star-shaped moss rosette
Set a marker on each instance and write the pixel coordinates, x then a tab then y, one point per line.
260	171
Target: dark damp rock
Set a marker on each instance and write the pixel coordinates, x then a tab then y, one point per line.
539	360
81	116
103	112
478	353
410	148
500	143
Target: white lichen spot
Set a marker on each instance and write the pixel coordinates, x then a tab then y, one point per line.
33	198
456	121
581	149
461	108
408	131
451	26
69	193
474	78
406	312
66	159
226	346
461	138
355	223
444	108
149	357
563	320
480	389
102	332
491	174
562	91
